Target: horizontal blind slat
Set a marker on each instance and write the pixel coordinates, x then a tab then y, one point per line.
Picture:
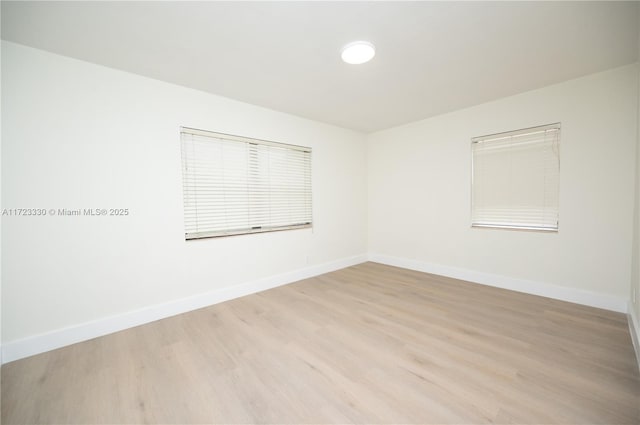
234	185
515	179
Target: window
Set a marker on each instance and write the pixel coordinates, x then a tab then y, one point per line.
515	178
235	185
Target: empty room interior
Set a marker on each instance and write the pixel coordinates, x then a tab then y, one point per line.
320	212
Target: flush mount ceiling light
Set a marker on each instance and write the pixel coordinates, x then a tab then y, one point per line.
358	52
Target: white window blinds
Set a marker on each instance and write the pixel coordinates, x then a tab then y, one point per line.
515	179
236	185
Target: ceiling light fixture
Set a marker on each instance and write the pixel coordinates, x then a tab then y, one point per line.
358	52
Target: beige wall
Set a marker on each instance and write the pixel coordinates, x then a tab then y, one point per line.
419	188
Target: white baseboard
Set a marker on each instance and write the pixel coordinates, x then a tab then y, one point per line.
15	350
634	330
578	296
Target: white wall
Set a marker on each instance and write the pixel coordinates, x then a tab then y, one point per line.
78	135
419	188
634	293
0	223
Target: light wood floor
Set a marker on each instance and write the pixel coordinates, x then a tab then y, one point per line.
367	344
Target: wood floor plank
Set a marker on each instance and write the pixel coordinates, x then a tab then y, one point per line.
366	344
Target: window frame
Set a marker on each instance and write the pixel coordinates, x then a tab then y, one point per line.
520	132
252	155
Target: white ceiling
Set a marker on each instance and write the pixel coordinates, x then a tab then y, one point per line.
432	57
